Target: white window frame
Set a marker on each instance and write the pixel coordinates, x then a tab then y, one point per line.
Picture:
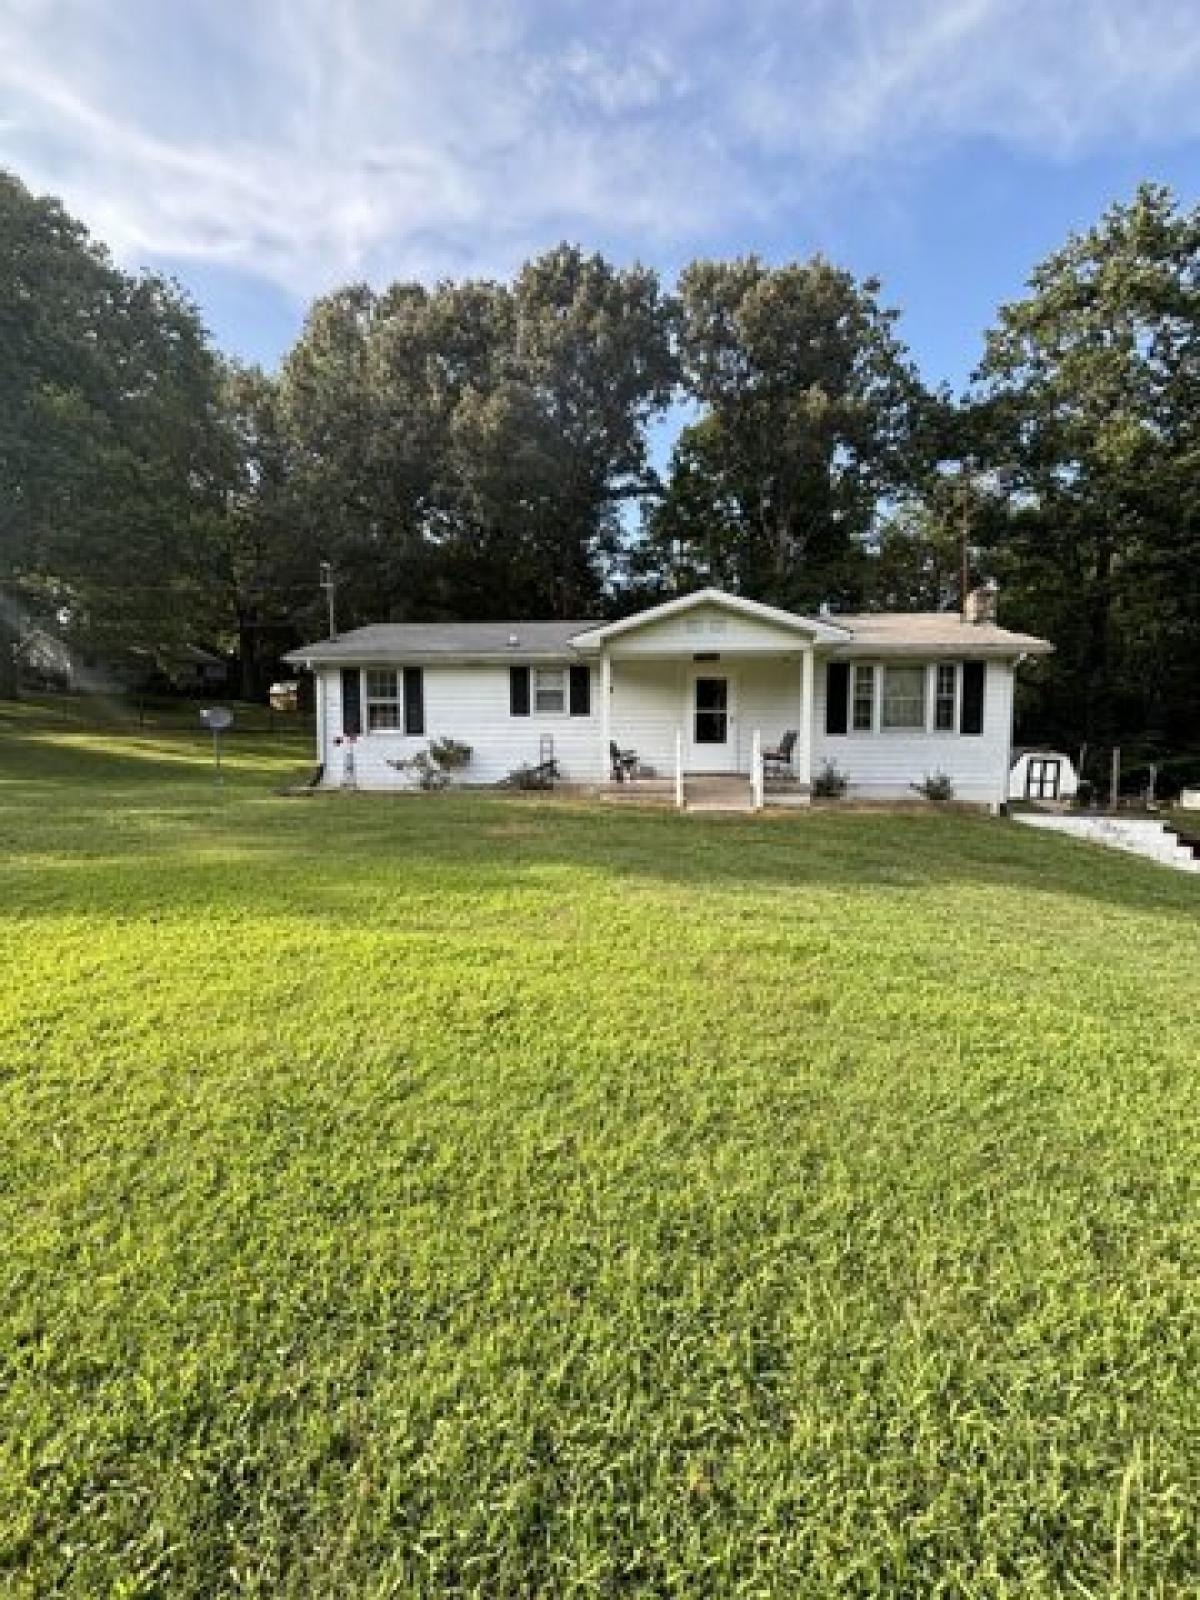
905	728
394	700
936	696
855	668
563	689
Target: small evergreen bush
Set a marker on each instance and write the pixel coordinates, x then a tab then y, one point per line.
935	786
433	767
830	783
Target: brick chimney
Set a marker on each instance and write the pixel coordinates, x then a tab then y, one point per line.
980	607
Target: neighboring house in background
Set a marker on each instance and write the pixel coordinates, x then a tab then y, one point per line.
44	660
1047	775
47	661
191	670
889	698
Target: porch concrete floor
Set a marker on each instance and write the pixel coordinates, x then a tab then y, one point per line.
702	792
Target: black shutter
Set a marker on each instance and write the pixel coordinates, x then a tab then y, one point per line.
837	692
972	697
414	700
518	691
351	702
581	692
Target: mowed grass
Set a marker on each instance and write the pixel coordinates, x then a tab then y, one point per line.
494	1196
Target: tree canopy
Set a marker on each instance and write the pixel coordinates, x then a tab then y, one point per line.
1090	402
809	408
108	435
483	449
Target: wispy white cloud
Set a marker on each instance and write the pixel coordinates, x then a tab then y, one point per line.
313	140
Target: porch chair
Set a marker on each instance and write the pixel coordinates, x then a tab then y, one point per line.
624	762
778	762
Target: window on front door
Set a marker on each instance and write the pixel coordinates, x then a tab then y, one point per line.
712	710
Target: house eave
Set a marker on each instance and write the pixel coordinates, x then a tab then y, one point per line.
812	629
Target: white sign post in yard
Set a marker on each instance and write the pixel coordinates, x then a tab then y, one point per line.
217	719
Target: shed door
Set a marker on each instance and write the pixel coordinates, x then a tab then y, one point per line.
1042	778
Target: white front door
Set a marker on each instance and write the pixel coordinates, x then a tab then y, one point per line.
712	723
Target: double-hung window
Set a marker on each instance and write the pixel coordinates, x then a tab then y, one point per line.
904	697
384	705
945	698
549	689
862	718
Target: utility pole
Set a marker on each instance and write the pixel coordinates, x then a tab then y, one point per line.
964	537
329	584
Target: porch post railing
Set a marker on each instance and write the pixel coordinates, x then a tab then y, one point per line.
806	718
756	770
679	769
605	714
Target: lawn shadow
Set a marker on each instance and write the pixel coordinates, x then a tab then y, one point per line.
140	841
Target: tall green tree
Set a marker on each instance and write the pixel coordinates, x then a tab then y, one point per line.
466	449
109	453
809	403
1091	394
263	553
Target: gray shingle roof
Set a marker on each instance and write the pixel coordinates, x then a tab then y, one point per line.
464	641
936	631
928	633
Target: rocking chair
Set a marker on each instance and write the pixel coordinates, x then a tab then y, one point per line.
778	762
624	762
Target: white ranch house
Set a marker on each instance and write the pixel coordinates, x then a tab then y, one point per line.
696	686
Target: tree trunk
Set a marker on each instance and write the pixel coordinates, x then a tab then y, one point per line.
249	667
9	686
1099	711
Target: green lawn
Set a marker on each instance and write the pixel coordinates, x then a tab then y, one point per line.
501	1196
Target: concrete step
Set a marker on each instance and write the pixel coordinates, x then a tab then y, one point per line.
1152	840
641	791
718	792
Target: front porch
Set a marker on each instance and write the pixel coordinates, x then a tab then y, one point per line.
704	792
701	690
697	731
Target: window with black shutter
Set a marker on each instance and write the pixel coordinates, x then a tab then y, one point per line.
518	691
414	700
581	692
351	703
971	717
837	694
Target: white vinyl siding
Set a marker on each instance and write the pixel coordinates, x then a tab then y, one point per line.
705	628
884	767
470	703
649	702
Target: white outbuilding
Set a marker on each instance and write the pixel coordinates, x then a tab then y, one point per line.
1042	775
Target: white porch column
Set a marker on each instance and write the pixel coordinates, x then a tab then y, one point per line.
806	716
605	712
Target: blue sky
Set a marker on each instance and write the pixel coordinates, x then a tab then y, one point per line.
266	150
